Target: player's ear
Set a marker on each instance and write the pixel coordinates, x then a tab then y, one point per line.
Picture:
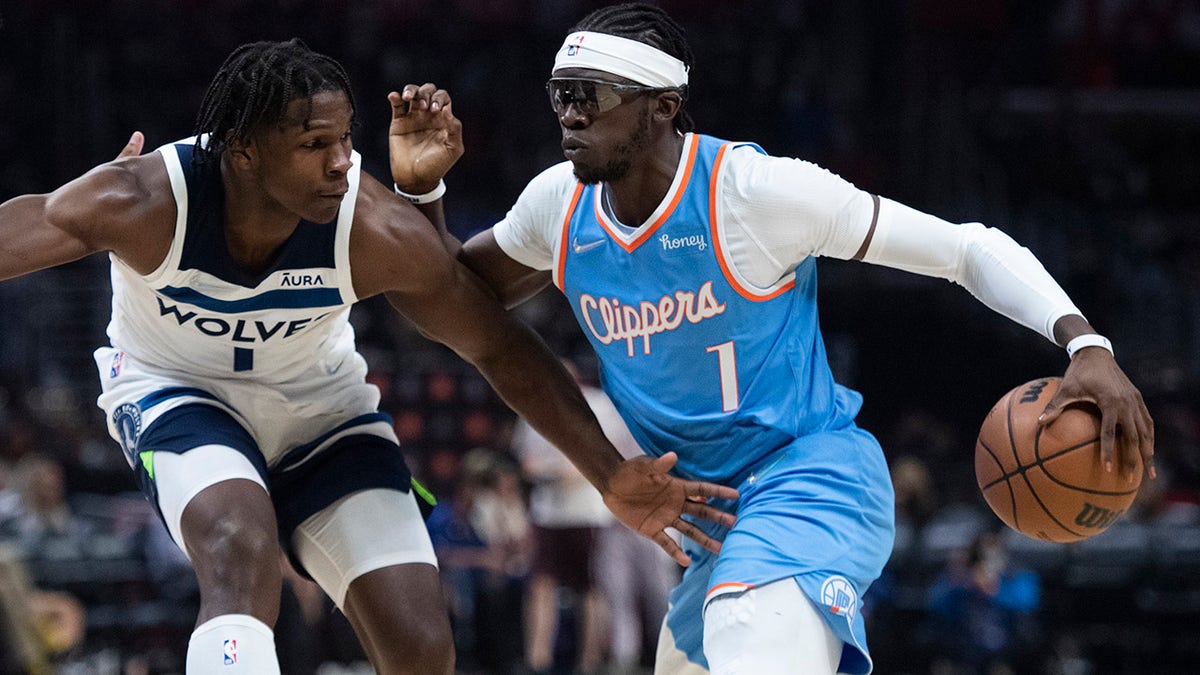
667	105
239	151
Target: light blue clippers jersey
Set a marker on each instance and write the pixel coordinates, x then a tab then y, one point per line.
696	362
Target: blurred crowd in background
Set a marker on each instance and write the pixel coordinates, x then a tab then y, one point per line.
1074	125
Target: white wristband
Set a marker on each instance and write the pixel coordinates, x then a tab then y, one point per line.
1088	340
431	196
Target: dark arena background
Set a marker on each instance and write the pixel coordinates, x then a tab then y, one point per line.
1074	125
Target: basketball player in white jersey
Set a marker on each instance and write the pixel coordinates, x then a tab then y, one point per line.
689	263
232	381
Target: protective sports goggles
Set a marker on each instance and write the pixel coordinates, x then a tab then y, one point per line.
590	97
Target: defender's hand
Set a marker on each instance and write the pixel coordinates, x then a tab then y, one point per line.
1094	376
644	496
424	139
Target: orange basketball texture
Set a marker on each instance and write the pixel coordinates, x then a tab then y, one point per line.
1048	483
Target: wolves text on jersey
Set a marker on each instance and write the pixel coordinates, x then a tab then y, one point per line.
627	322
238	330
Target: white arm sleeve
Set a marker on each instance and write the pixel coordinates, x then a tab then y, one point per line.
530	231
778	211
998	271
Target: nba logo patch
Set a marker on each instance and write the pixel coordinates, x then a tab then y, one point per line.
572	50
231	652
839	595
117	360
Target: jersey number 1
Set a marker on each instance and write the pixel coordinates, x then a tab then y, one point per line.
727	365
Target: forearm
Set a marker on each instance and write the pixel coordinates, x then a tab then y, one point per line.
1071	326
436	214
994	268
510	281
28	243
532	381
428	200
450	304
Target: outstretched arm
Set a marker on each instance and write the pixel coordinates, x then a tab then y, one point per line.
94	212
450	304
1009	278
844	222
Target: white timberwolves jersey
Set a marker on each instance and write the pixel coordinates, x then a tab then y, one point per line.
200	314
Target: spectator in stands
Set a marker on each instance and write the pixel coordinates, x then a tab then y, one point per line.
501	518
469	567
982	610
10	500
568	516
633	576
461	555
916	499
893	606
500	514
625	591
46	524
36	626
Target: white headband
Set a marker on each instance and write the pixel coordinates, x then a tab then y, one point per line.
630	59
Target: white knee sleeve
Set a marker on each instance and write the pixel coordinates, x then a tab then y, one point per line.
231	644
770	630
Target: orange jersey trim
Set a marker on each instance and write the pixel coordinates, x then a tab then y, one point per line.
727	587
748	293
560	268
690	162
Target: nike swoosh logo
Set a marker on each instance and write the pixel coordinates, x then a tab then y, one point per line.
580	248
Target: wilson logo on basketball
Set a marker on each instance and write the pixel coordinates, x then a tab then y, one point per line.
1033	393
1045	481
1094	516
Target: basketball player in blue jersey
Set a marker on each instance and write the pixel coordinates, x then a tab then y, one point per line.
232	382
689	263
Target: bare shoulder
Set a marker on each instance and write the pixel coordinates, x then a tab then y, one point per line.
393	247
125	206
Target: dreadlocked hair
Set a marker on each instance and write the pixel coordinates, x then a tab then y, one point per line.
651	25
253	88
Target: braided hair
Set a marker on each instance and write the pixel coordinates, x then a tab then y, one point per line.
651	25
253	88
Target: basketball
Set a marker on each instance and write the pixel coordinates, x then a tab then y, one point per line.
1049	483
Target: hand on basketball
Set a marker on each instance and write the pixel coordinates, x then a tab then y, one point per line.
644	496
1094	376
424	139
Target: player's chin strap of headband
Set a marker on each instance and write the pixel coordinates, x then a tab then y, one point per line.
627	58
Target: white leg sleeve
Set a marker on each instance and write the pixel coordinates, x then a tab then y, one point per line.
232	644
181	477
361	532
769	630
